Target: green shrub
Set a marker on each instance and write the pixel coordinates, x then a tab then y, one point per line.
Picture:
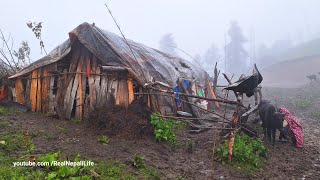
247	152
163	129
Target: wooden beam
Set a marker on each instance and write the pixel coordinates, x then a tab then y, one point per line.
72	90
97	80
39	94
113	68
92	88
45	90
79	100
19	92
52	97
122	95
33	91
130	90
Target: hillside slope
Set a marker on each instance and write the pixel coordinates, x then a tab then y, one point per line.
291	73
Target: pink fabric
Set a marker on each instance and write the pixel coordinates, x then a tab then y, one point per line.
294	125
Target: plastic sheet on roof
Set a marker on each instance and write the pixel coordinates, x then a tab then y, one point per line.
148	63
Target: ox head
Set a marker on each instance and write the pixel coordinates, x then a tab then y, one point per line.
279	116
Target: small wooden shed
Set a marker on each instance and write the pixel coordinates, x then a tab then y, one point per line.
94	67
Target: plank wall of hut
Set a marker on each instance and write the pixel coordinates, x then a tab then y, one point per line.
73	86
79	83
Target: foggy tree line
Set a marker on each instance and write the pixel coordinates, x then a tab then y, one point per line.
233	51
237	55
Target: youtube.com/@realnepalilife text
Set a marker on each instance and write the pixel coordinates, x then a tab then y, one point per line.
52	163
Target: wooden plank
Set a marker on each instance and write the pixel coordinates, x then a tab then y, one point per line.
113	68
33	90
102	98
73	87
45	90
19	91
79	91
97	79
92	88
62	87
39	105
27	95
130	90
84	85
123	96
52	99
114	88
71	84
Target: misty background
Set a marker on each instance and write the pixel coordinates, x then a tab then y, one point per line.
235	34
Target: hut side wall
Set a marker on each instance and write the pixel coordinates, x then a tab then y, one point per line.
74	86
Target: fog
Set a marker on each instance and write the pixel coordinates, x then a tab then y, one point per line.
196	26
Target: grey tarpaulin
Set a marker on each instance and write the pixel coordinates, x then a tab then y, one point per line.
147	63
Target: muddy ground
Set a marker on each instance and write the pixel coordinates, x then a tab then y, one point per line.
175	161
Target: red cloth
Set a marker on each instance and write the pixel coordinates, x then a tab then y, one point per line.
294	125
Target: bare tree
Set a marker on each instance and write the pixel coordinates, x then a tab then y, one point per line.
11	60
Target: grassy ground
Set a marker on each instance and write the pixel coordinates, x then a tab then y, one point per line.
17	145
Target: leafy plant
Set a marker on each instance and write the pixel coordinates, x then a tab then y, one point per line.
58	172
163	129
138	161
247	152
104	139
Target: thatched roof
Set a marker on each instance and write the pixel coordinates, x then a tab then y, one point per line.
146	63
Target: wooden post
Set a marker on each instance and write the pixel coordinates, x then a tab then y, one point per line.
39	90
92	88
19	92
33	90
79	101
130	90
122	95
45	90
52	97
97	80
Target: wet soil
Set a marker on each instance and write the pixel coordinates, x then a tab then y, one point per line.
191	158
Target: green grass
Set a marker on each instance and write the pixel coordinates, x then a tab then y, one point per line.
302	104
7	111
62	129
18	146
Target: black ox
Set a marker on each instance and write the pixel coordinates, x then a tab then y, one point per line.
271	120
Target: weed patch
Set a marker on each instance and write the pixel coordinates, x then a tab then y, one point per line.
104	139
248	153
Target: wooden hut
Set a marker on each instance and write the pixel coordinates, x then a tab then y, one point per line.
94	67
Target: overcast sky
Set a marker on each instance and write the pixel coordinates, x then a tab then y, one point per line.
195	24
